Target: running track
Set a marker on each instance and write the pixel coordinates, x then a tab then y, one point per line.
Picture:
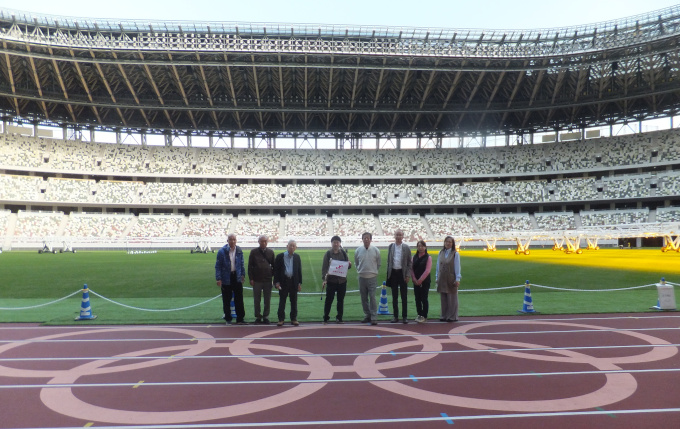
604	371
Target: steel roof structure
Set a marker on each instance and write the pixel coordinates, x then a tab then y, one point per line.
302	79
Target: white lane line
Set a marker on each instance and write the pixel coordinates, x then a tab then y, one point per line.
306	355
469	319
340	337
336	380
382	421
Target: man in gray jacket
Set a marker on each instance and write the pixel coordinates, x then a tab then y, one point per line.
367	262
399	262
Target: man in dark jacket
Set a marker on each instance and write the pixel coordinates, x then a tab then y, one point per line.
260	271
288	281
230	273
399	263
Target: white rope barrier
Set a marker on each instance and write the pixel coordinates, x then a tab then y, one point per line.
323	293
41	305
153	309
490	290
595	290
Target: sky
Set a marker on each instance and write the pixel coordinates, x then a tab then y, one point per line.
488	14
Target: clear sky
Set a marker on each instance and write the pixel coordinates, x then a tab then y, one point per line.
492	14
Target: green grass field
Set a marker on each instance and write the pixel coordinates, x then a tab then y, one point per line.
176	279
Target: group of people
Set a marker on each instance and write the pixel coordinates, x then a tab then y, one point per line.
285	269
284	272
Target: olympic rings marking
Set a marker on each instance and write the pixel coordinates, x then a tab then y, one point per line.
240	347
617	387
63	401
191	350
657	353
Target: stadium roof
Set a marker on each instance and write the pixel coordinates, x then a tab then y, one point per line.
302	79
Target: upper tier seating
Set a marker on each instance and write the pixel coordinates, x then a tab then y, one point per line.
592	218
54	155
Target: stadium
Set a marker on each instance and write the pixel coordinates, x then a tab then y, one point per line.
167	135
140	144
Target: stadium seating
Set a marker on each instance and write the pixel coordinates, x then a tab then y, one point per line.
42	172
668	214
498	223
156	226
593	218
306	227
412	226
96	225
54	155
353	226
454	225
202	226
38	224
555	221
21	188
250	227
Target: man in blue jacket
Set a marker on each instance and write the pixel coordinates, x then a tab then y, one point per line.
230	273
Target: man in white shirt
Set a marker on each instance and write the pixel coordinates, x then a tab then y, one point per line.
399	262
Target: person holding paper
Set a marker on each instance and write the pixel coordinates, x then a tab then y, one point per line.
334	275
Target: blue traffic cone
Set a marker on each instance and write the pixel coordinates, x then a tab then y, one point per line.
232	307
658	302
384	308
85	309
528	306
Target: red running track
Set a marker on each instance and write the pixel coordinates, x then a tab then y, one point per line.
604	371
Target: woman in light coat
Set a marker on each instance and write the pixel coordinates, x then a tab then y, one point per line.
448	280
